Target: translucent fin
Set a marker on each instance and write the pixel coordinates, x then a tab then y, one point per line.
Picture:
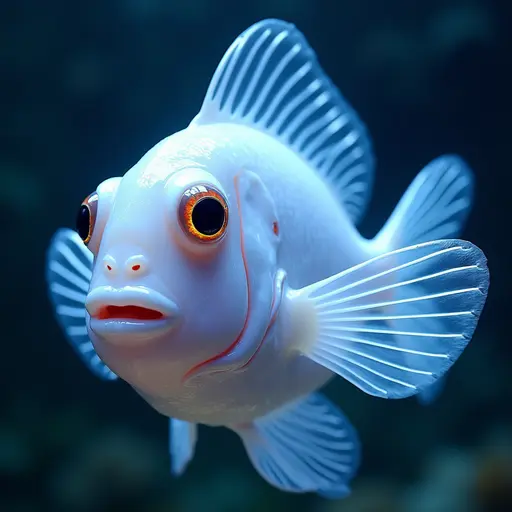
307	446
182	444
68	273
431	393
396	323
435	206
269	79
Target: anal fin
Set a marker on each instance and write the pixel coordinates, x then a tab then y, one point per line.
306	446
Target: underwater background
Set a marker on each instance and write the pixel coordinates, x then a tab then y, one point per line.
88	87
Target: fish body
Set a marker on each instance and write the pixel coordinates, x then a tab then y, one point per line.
302	206
224	279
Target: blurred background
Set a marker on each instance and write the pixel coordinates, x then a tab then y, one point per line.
88	87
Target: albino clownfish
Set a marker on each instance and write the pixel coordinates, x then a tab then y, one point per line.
224	279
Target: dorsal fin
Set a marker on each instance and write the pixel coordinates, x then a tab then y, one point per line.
270	79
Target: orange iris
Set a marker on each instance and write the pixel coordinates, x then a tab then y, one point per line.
203	213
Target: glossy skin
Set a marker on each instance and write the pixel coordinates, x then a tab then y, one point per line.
211	291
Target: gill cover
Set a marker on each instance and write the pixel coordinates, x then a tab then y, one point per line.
259	241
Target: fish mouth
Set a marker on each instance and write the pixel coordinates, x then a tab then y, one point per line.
130	314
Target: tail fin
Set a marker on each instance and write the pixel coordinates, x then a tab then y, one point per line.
435	206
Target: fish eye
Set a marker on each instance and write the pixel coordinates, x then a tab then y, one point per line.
86	217
203	213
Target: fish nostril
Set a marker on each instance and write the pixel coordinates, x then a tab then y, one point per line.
136	265
109	264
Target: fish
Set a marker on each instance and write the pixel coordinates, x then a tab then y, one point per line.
223	276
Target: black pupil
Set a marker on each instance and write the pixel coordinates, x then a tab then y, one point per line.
83	220
208	216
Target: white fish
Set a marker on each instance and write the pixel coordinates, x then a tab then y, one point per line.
223	277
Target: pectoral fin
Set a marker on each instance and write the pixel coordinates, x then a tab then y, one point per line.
395	324
68	273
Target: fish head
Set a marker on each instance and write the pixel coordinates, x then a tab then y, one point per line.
182	263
